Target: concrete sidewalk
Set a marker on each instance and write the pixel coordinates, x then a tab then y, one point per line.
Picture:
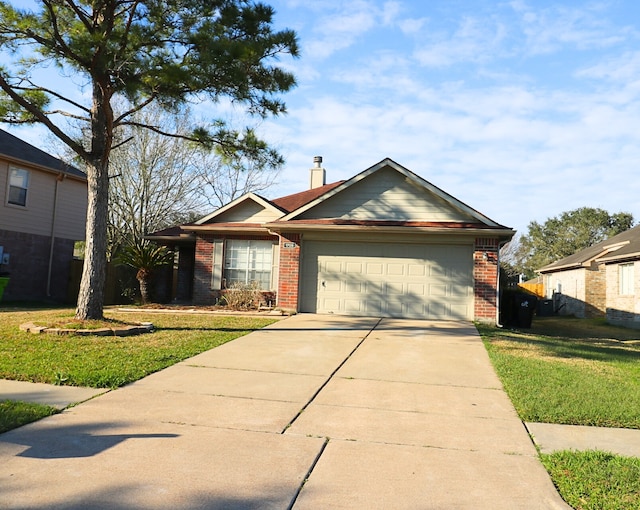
551	438
47	394
311	412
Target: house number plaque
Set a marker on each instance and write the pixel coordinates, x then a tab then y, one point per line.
289	245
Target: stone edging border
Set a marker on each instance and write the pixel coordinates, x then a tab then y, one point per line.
143	327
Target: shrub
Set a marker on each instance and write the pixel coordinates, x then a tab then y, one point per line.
242	296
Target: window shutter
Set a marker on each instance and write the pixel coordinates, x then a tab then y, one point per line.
216	266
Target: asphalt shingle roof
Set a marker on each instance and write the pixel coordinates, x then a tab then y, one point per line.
626	244
15	148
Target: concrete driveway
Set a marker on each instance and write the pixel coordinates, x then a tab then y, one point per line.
313	412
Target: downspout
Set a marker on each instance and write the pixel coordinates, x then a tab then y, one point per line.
59	179
498	325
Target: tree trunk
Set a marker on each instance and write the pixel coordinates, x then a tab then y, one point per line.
92	285
144	289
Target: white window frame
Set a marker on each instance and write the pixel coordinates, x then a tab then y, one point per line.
626	278
27	178
246	258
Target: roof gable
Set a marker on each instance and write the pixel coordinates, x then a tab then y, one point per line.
249	208
388	192
14	148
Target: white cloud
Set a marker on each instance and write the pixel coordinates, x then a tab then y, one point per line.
474	40
412	26
625	67
550	29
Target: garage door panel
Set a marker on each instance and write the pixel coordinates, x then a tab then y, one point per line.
416	269
396	288
356	287
395	269
416	289
353	268
390	280
438	290
374	269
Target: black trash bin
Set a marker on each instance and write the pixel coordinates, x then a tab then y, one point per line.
525	305
545	308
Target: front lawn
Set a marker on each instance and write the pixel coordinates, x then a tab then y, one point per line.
16	414
571	371
109	362
595	480
579	372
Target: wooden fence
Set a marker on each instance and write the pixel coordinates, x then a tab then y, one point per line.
121	280
534	288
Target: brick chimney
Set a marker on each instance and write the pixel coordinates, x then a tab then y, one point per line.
317	174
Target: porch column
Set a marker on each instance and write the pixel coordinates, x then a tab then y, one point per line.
485	279
289	272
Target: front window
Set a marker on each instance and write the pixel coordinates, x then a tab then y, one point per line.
18	185
626	279
247	262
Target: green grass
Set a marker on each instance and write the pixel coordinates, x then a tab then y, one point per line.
109	362
595	480
16	414
569	371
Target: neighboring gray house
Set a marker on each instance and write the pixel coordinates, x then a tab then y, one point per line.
42	215
600	281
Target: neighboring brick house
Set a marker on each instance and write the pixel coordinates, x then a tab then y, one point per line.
383	243
43	211
600	281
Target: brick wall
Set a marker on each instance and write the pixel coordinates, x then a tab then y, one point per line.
203	265
485	278
596	292
29	266
288	281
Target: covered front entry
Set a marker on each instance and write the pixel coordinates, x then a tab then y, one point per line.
427	281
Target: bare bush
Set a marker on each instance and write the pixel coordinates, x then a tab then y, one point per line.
242	296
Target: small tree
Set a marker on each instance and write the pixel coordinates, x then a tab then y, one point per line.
145	257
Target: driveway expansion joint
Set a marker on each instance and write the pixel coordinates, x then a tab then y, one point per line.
331	376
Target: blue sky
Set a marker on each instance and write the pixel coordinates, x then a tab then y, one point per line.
521	109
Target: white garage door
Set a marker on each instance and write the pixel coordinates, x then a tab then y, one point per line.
389	280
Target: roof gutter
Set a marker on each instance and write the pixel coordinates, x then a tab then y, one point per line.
239	229
280	227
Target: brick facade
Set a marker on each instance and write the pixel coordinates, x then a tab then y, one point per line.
485	278
202	268
596	292
289	277
29	266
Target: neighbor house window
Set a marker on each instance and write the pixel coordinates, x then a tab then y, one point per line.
18	185
626	279
247	262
